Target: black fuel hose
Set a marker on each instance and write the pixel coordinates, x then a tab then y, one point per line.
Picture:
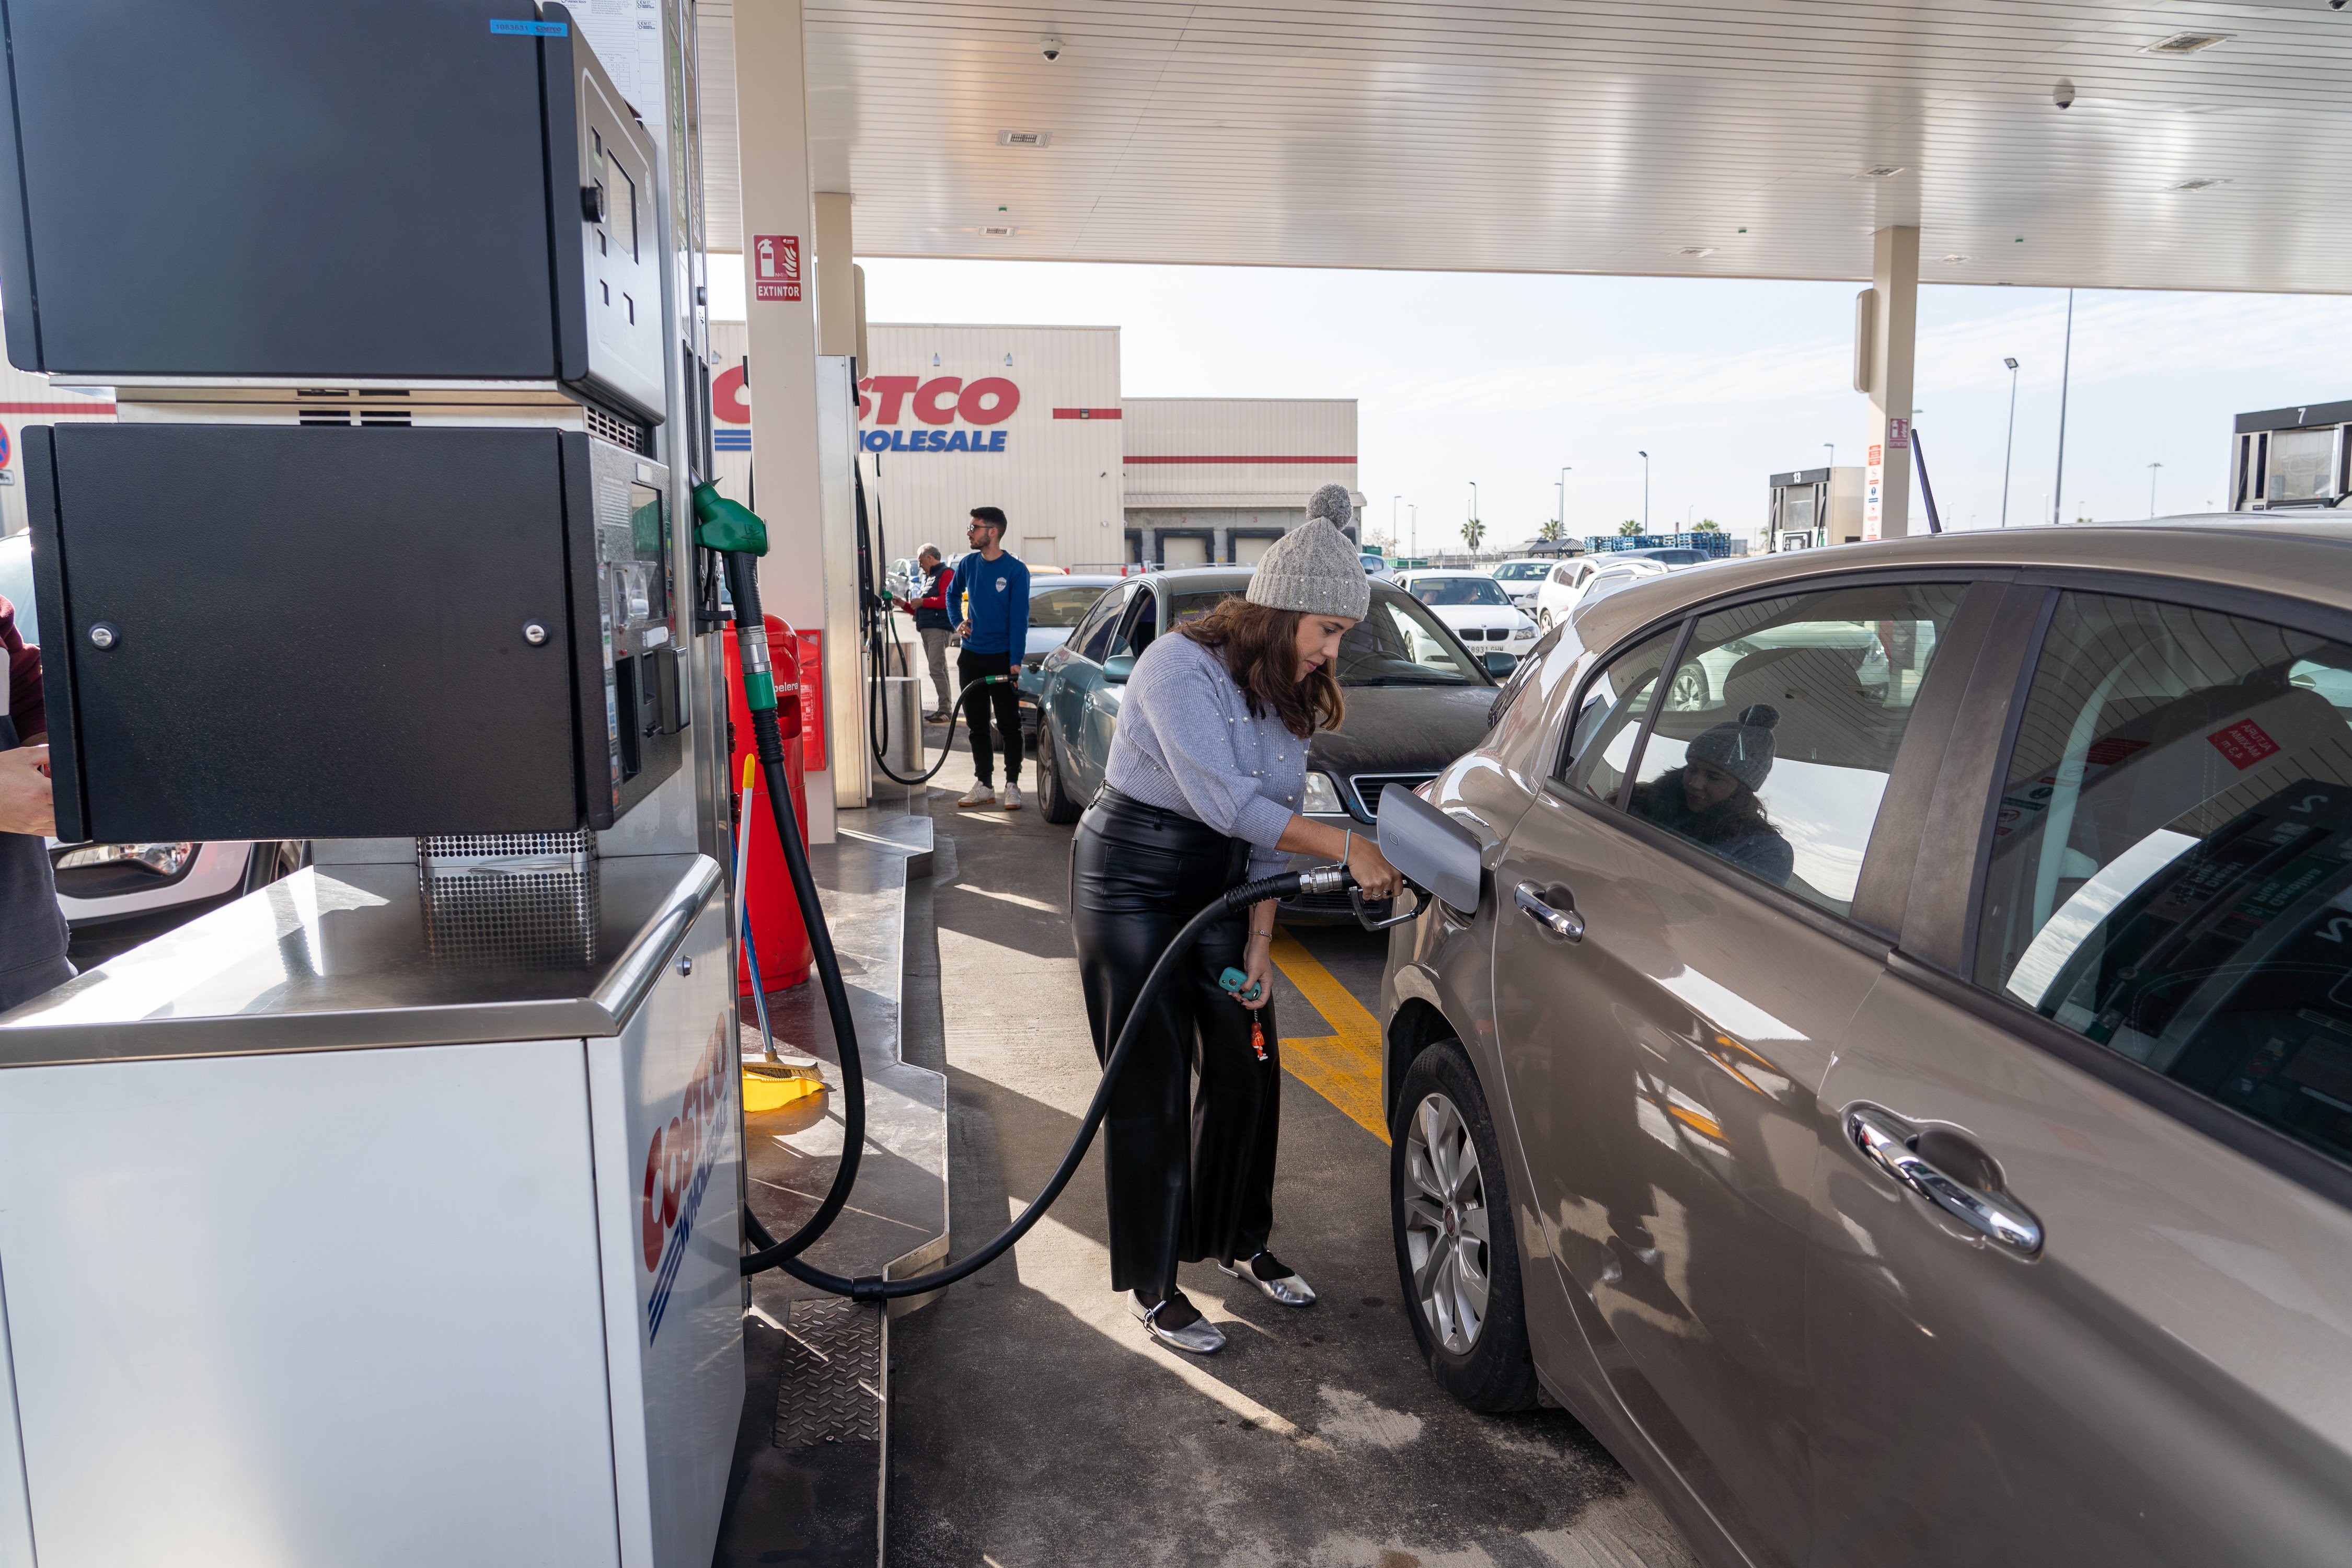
767	739
878	729
875	1288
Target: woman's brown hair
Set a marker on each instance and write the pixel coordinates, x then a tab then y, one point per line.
1260	647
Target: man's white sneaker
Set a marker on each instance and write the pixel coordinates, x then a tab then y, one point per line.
1013	797
978	794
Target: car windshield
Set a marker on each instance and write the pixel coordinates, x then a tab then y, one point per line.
1397	644
1459	591
16	585
1521	571
1400	644
1061	607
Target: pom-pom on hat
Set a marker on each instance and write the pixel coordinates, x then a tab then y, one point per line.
1743	748
1313	568
1332	501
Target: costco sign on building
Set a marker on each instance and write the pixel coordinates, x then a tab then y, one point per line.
952	418
1030	419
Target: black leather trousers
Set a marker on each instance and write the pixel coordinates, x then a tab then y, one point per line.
1189	1175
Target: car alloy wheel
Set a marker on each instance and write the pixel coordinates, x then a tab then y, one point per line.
1689	692
1446	1225
1543	619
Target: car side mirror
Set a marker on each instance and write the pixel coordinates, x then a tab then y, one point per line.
1118	667
1500	663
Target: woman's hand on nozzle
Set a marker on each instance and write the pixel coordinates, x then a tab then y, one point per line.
1373	874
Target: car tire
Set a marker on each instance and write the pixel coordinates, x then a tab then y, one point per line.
1053	800
1476	1349
1543	620
274	860
1690	691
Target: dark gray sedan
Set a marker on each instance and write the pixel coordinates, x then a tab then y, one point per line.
1890	1073
1416	699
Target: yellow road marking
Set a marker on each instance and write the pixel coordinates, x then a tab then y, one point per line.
1345	1067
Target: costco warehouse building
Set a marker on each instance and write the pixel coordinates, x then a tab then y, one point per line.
1031	419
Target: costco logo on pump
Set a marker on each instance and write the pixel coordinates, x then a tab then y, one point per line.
943	400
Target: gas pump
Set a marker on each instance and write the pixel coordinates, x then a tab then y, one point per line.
1814	507
386	1215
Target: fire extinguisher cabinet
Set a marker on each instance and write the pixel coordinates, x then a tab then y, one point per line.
776	926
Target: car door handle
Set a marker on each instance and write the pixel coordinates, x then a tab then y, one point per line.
1565	924
1885	1142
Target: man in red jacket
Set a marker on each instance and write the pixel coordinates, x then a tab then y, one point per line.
32	931
931	624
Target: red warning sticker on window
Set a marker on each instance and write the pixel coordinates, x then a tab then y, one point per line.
2114	749
2243	743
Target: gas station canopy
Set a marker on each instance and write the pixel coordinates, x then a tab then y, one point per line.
2203	147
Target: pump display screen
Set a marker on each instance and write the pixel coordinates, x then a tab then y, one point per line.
645	542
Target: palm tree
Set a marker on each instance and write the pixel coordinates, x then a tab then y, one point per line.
1630	527
1472	532
1549	529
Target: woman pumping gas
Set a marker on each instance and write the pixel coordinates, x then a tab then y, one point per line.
1201	793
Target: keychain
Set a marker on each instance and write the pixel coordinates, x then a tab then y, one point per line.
1233	980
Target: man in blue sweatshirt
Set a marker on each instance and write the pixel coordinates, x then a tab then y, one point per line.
990	599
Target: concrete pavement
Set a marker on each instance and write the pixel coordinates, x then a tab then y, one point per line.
1036	1427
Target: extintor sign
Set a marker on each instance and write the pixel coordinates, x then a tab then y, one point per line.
776	267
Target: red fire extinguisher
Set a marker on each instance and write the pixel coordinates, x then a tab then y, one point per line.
776	927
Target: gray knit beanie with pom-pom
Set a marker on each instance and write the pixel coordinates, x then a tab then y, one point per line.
1314	569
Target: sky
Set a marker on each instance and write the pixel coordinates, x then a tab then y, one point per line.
1503	379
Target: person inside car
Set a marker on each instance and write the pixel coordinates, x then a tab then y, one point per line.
1711	798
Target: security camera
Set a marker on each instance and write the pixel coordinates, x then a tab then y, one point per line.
1052	49
2062	94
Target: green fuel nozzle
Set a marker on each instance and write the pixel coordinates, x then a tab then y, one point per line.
725	525
736	532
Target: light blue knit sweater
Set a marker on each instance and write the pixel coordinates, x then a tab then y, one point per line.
1186	741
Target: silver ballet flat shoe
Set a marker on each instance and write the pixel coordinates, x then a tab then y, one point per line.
1199	1337
1290	1290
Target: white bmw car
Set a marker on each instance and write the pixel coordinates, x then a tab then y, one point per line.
1474	607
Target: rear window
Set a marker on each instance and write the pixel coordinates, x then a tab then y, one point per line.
1061	606
2171	870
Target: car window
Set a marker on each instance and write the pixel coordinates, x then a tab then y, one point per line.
1092	637
1609	716
1193	606
1519	572
2171	870
1061	606
1139	626
1779	727
1398	643
1559	574
1459	591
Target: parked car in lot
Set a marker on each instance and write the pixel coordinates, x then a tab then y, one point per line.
1571	581
1056	604
1474	607
1521	578
140	891
1416	700
1902	1100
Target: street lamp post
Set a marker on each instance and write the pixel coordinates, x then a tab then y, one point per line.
1393	511
2011	450
1645	492
2065	378
2151	487
1561	486
1833	447
1412	511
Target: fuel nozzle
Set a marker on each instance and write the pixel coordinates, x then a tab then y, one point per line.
736	532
